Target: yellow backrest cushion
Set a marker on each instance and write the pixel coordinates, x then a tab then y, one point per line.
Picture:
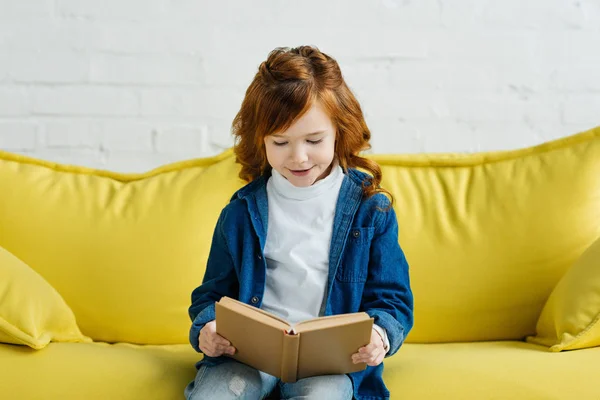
32	312
487	236
571	317
124	250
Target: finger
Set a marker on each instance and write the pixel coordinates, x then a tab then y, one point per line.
380	358
220	340
225	349
376	360
207	347
362	357
370	357
207	351
367	349
216	348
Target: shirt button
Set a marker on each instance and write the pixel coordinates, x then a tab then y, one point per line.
259	257
254	300
356	234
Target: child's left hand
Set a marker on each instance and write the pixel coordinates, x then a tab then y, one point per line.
373	353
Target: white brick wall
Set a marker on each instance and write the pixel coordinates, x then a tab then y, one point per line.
129	85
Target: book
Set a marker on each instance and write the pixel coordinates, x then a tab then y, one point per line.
320	346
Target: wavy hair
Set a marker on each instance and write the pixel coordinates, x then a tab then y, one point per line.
285	87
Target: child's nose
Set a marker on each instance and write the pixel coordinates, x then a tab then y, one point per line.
299	155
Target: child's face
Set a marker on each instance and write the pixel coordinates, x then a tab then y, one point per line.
304	152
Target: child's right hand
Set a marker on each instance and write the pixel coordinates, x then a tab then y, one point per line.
211	343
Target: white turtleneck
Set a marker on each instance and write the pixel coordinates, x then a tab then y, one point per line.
297	246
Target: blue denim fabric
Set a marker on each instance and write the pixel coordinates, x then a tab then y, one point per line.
233	380
367	268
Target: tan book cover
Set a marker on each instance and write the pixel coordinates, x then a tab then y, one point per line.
320	346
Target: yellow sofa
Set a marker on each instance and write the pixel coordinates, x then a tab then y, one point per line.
97	267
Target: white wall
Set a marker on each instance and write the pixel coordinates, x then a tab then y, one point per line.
129	85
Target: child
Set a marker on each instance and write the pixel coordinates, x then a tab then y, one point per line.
308	236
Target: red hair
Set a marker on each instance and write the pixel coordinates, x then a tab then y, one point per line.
285	87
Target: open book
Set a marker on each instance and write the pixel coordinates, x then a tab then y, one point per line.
320	346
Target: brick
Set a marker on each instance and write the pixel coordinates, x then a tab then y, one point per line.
47	36
14	101
577	78
493	136
391	135
567	48
65	67
548	14
85	100
490	46
18	136
443	76
391	44
143	69
423	14
111	9
136	161
378	103
127	135
3	62
148	37
210	102
73	134
229	13
462	14
446	136
26	9
219	133
504	108
193	140
582	109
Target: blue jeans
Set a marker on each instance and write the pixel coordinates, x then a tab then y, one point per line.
234	380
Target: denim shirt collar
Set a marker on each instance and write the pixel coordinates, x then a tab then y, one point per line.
255	195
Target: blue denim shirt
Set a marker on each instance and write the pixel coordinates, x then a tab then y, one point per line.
367	268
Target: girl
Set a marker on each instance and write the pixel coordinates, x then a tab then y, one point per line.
308	236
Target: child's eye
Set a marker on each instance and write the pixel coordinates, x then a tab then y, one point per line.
279	143
315	141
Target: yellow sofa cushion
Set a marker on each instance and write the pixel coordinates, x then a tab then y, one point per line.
489	235
124	250
32	312
486	370
485	235
571	317
491	370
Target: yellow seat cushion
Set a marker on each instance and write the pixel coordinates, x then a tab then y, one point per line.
124	250
96	371
571	317
493	370
32	312
489	235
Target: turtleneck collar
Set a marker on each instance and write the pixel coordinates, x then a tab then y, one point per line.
286	189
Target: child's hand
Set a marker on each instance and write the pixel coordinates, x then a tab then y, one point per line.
373	353
211	343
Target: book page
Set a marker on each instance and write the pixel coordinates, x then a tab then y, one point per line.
325	350
329	321
255	313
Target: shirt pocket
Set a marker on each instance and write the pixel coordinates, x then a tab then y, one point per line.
355	260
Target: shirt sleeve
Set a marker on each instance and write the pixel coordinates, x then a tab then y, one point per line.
387	296
220	279
384	337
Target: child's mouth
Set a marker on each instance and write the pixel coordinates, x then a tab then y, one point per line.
300	172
